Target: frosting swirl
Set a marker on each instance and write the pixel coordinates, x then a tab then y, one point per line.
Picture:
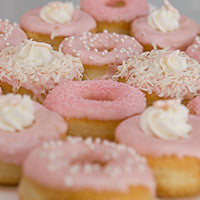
57	12
165	19
171	62
35	53
16	112
166	120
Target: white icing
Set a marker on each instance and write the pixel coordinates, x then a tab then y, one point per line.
172	62
165	19
57	12
16	112
166	120
35	53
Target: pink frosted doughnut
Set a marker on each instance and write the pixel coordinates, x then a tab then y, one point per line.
102	100
101	48
10	34
81	22
194	106
194	49
77	165
130	133
104	11
16	146
179	39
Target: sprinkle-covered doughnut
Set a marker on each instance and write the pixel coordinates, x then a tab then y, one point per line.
75	166
10	34
95	107
101	48
95	100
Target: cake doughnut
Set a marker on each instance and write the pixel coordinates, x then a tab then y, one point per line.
100	53
115	15
10	34
34	68
95	107
162	74
194	49
24	124
169	138
165	27
55	21
87	170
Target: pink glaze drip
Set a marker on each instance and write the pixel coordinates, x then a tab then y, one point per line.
93	165
130	133
194	105
101	48
81	22
96	100
104	13
14	147
179	39
10	34
194	49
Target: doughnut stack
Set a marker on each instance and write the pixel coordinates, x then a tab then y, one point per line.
100	102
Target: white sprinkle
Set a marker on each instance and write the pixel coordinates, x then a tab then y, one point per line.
69	181
105	31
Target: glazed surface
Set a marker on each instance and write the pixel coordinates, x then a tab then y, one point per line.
107	12
95	100
98	165
178	39
101	48
47	126
81	22
130	133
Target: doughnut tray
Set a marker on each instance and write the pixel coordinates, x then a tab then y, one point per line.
10	193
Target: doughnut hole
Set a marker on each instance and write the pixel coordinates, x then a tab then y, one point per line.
115	3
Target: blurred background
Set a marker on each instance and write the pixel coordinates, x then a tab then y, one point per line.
13	9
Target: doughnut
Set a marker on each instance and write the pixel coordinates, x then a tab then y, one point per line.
100	53
194	49
10	34
169	138
115	15
95	107
165	27
162	74
24	125
34	68
86	170
55	21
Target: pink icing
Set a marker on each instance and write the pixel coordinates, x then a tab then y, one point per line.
130	133
81	22
96	100
102	12
10	34
93	48
14	147
179	39
93	165
194	49
194	105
